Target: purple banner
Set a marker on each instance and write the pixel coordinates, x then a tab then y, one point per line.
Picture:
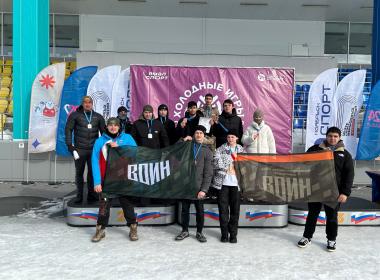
270	89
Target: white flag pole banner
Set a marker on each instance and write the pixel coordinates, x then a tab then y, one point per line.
120	92
100	89
319	109
348	100
44	107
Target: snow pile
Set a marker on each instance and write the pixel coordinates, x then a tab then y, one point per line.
46	209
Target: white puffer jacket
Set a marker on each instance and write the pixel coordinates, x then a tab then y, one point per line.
259	139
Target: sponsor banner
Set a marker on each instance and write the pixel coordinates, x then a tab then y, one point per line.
74	88
320	108
369	147
120	92
44	108
288	178
100	89
154	173
348	101
270	89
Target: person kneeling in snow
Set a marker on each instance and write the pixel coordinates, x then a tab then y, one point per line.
113	137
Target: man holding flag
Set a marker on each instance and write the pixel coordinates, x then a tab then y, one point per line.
344	172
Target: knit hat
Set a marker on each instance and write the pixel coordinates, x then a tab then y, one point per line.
191	104
148	108
233	131
122	109
201	128
258	113
114	121
163	106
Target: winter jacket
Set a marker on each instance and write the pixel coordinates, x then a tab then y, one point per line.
140	131
126	125
203	168
225	123
169	126
264	142
344	166
99	153
84	137
191	125
222	160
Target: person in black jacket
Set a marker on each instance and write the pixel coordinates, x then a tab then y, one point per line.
186	126
122	115
149	132
344	172
227	120
163	117
204	171
86	125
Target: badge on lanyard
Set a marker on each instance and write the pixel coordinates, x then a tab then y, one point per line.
89	126
150	135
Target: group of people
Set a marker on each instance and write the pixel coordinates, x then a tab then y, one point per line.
214	152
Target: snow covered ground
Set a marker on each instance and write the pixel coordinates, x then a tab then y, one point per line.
33	245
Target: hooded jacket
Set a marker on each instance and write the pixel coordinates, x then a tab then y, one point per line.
126	125
169	126
142	128
225	123
84	137
259	139
191	125
344	166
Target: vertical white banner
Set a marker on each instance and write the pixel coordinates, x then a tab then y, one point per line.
100	89
320	109
44	107
348	100
120	92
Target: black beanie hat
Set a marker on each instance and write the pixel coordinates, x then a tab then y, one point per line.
201	128
233	131
162	106
122	109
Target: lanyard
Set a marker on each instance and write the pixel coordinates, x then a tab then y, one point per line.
190	118
88	120
196	151
149	126
163	118
225	129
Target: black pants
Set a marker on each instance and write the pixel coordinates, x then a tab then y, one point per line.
84	157
105	206
185	214
229	210
331	220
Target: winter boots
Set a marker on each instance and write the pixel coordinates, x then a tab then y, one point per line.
133	232
99	234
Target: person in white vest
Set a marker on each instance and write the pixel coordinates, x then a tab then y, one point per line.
258	138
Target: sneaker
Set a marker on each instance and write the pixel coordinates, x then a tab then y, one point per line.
133	232
99	234
182	235
331	245
304	242
200	237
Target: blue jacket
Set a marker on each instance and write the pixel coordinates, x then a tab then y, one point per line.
97	158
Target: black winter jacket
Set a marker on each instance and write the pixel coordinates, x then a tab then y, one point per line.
84	137
169	126
344	167
126	125
140	133
227	121
191	125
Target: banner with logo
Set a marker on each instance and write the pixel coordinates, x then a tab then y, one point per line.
120	92
74	88
155	173
369	142
270	89
348	101
319	109
44	107
306	177
100	89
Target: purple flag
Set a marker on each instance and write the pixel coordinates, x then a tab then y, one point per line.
270	89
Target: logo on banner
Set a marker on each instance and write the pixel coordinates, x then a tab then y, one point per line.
156	76
101	99
253	215
373	118
271	77
323	112
358	218
46	110
344	102
198	91
69	108
149	173
47	81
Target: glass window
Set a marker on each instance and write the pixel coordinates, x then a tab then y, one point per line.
336	37
360	38
67	31
8	30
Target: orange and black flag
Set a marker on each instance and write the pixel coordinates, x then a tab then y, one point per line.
306	177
